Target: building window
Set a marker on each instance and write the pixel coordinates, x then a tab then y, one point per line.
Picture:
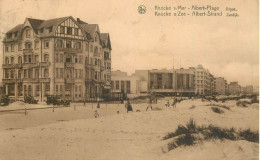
46	72
57	58
12	47
28	33
19	46
20	60
36	58
76	59
36	73
57	89
91	48
47	87
117	85
61	58
62	29
59	43
61	90
68	44
78	45
12	73
12	60
69	30
61	72
96	50
29	59
36	45
46	44
9	35
50	29
6	48
25	73
41	30
127	86
28	45
57	73
87	47
46	58
76	31
6	60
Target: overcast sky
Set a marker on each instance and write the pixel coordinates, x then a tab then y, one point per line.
227	46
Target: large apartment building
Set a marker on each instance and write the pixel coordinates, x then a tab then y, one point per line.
221	86
204	81
64	57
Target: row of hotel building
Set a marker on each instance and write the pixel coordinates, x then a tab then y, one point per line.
72	59
176	82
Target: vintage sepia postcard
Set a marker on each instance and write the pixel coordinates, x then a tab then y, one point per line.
129	80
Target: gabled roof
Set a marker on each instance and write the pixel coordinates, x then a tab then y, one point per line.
19	27
105	40
51	22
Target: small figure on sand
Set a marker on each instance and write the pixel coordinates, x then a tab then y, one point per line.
149	105
128	106
98	105
167	104
174	103
96	115
84	101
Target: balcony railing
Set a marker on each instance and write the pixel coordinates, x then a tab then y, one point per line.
107	58
45	80
31	80
96	54
6	80
69	80
8	65
69	65
45	64
30	65
68	50
27	51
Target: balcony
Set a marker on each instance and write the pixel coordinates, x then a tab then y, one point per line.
31	80
45	64
68	50
8	66
30	65
68	65
9	80
107	59
96	54
27	51
45	80
69	80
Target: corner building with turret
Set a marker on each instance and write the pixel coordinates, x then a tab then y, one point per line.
63	57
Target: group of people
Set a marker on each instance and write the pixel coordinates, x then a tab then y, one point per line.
174	102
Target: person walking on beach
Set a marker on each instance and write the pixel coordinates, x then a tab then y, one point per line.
167	104
98	105
128	106
96	115
174	103
149	105
84	101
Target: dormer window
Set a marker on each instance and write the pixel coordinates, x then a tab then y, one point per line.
41	30
16	34
50	29
9	35
28	33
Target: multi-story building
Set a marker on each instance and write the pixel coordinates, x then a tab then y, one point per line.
249	89
234	88
221	86
204	81
168	82
63	57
